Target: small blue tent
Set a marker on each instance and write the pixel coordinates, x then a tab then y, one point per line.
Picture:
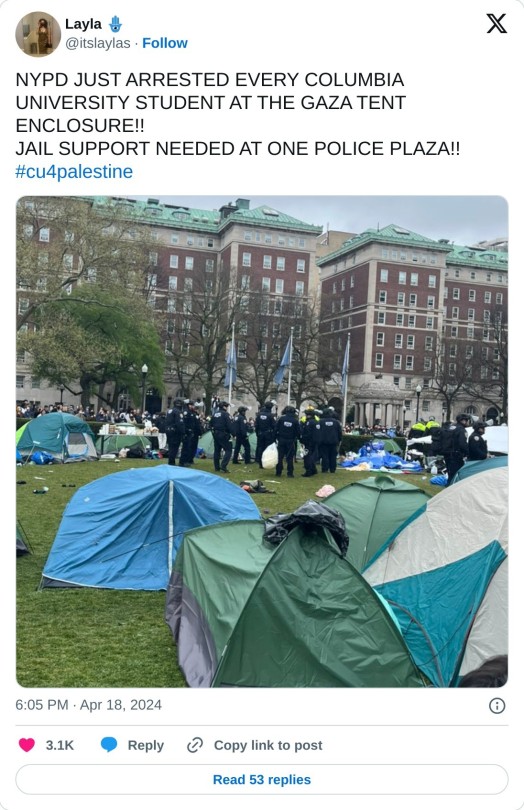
124	530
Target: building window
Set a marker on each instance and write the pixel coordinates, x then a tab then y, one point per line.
278	307
473	275
380	338
471	295
384	276
379	363
400	319
486	316
381	317
174	239
382	297
246	260
171	305
402	278
334	286
266	263
414	257
189	263
401	299
470	332
173	261
301	265
429	323
151	280
453	350
188	284
455	313
172	283
407	384
425	405
412	321
432	281
266	284
351	281
397	361
248	236
279	286
245	282
499	298
210	265
20	379
410	342
281	241
471	314
457	273
153	258
299	289
409	362
456	293
281	263
44	235
190	240
414	280
413	299
431	302
428	344
487	298
385	254
446	291
398	341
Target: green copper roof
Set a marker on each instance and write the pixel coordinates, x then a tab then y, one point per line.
473	257
391	234
153	211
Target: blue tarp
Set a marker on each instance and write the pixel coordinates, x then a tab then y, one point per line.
382	459
124	530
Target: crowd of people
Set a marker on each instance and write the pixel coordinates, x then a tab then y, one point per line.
319	432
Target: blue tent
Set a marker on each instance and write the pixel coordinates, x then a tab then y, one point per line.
474	467
124	530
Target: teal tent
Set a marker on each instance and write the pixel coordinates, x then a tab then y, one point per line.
63	436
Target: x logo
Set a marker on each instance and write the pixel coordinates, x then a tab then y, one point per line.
497	24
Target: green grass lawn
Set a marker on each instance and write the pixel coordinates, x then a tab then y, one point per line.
85	637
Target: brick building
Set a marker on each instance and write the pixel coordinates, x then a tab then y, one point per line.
428	316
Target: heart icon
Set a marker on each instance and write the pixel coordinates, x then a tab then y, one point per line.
26	745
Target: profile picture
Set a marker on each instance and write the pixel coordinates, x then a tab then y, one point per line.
38	34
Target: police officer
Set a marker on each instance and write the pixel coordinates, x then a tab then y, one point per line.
456	446
330	438
287	432
310	436
191	426
477	444
241	431
265	430
222	429
174	430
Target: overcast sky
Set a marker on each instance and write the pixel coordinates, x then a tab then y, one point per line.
463	220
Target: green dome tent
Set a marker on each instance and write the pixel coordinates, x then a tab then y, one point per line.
373	509
244	613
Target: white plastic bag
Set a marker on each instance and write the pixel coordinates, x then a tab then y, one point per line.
270	456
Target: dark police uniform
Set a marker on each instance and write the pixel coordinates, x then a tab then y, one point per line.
458	449
174	431
310	437
330	438
221	427
477	446
265	431
287	431
241	433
